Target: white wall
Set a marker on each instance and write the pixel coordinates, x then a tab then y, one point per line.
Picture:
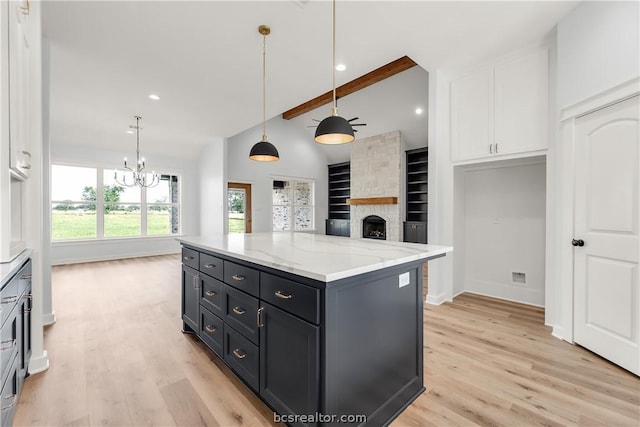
71	252
212	170
504	230
598	48
300	157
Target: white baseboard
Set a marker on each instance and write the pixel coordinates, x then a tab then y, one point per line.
49	319
79	260
39	364
504	299
436	299
558	332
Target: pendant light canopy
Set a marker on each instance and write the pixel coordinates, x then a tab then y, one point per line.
264	151
334	129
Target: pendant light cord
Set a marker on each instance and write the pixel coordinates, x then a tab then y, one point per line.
138	141
335	107
264	88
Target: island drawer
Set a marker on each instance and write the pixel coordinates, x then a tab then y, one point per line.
9	395
8	345
211	266
212	295
293	297
241	312
8	299
242	356
243	278
212	331
190	258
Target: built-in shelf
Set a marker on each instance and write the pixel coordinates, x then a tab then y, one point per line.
415	227
339	221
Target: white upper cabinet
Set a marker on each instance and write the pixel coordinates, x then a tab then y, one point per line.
19	87
503	110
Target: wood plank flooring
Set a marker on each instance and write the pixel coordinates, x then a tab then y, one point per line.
118	358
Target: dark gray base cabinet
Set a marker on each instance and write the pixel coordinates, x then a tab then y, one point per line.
349	347
415	232
15	346
338	227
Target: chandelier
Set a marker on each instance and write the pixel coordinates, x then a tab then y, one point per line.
136	176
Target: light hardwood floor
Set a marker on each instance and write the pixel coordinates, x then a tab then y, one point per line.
118	358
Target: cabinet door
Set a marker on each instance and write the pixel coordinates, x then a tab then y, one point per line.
190	299
19	93
521	104
289	362
472	116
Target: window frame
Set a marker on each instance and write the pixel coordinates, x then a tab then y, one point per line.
100	204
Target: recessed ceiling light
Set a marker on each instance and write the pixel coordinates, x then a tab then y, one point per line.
129	131
341	67
418	111
154	97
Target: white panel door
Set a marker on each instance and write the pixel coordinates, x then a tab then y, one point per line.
606	291
472	116
522	104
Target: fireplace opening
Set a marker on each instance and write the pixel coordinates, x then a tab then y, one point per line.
374	227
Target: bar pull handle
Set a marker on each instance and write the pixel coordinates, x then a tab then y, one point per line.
26	277
210	266
239	353
210	329
10	299
496	148
196	281
490	148
4	346
239	310
280	295
237	277
259	321
209	293
13	398
187	258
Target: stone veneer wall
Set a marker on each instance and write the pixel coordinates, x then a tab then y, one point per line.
377	170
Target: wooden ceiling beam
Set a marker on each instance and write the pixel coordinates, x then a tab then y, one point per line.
379	74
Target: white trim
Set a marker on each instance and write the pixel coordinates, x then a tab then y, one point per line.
601	100
49	319
436	299
501	298
141	254
39	364
558	332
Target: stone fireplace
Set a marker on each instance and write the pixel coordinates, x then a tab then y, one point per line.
374	227
377	171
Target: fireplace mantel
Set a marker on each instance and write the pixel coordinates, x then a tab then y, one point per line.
373	201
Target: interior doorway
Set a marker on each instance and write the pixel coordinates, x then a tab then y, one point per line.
239	207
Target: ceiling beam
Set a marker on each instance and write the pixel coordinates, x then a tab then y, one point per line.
386	71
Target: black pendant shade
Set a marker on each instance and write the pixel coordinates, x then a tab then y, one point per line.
334	130
264	151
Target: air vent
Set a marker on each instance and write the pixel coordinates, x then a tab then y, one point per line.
518	278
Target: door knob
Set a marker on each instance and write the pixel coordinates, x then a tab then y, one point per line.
578	242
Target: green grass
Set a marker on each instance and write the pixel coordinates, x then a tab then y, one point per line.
236	225
82	225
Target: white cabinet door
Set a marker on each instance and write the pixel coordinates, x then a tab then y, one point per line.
19	75
472	116
607	212
521	104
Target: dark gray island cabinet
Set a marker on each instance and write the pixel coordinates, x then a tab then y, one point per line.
320	345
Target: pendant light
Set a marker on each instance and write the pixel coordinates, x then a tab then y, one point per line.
135	176
334	129
264	151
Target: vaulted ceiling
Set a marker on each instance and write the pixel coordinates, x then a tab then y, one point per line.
203	58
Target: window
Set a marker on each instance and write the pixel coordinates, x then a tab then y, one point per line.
293	205
88	203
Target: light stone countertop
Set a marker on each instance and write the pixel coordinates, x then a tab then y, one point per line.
316	256
8	269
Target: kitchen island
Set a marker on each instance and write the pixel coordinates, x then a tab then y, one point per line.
324	329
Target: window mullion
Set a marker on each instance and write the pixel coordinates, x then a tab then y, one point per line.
143	211
100	203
